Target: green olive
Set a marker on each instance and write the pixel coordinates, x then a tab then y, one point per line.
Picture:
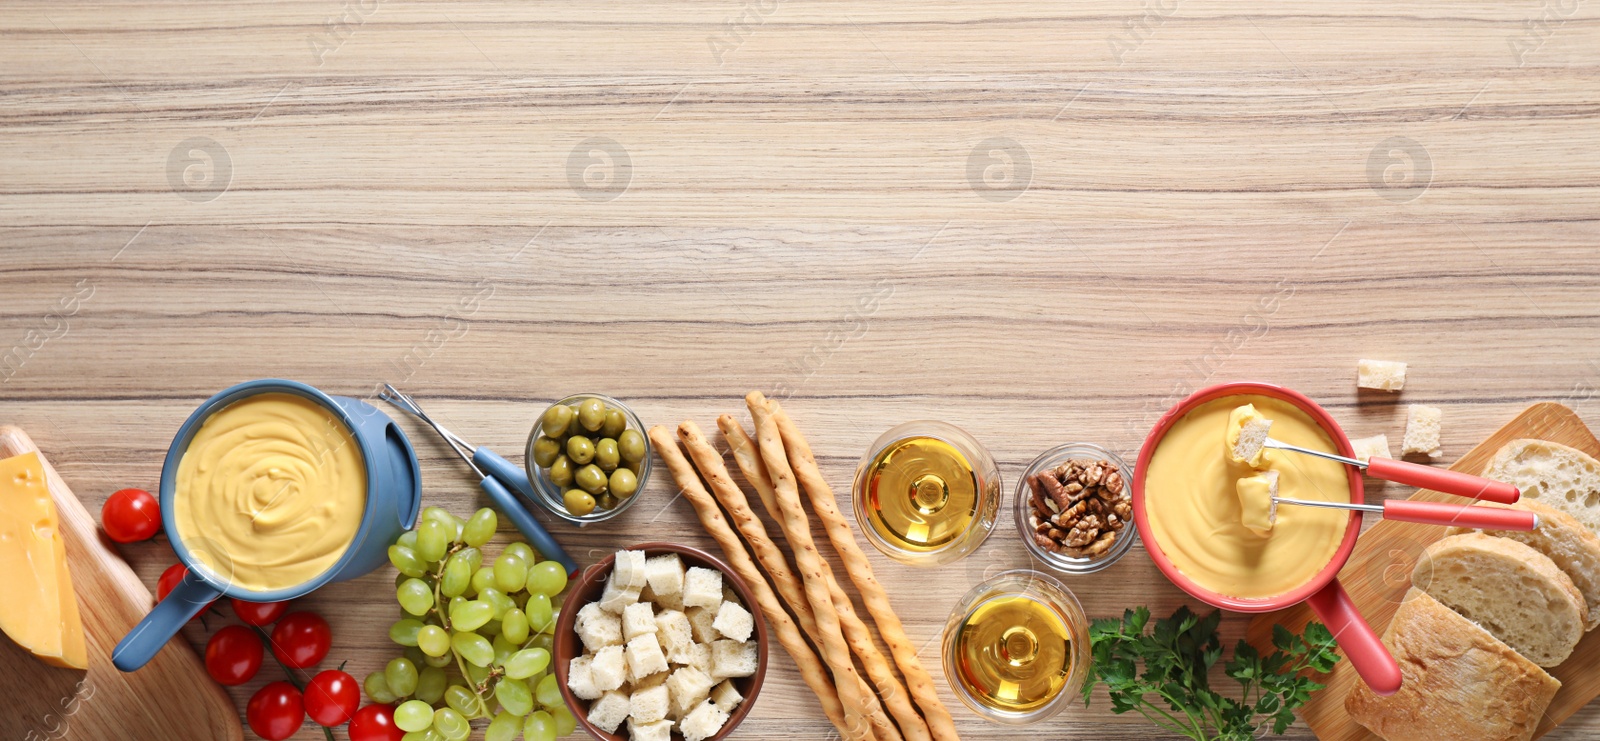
555	420
633	466
623	483
592	414
545	451
631	445
590	479
578	502
606	455
561	471
606	501
573	427
616	422
580	449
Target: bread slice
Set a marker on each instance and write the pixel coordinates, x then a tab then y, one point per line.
1513	591
1459	682
1575	549
1552	473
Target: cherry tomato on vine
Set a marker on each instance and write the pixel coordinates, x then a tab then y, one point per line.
375	723
276	711
169	581
301	639
259	613
131	515
233	655
331	698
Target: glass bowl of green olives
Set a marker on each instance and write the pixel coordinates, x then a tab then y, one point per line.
588	458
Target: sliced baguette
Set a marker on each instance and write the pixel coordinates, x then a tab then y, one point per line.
1552	473
1459	682
1574	548
1513	591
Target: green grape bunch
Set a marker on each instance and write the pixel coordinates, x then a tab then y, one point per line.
477	635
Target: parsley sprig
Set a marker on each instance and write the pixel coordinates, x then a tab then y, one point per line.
1174	692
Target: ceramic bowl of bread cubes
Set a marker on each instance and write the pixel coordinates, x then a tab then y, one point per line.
660	642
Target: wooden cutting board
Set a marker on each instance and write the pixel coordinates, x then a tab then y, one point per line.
1379	572
170	699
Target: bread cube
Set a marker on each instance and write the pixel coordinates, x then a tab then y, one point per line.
645	657
609	668
734	621
702	624
669	601
609	711
726	696
688	687
702	588
697	655
703	722
673	630
1383	375
616	597
587	612
1422	431
628	570
580	680
648	705
654	680
637	619
600	630
733	659
660	730
1367	448
664	574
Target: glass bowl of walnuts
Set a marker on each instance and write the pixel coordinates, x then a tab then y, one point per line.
1074	508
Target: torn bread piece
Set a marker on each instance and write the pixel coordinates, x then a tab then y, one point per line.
1381	375
1258	507
1247	436
1367	448
1422	431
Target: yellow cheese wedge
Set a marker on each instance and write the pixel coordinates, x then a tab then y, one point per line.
38	608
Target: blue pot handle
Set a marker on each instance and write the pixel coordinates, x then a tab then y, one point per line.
163	622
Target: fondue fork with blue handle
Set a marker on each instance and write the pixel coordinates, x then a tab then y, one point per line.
1386	469
510	474
539	538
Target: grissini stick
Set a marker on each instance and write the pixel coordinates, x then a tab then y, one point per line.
709	462
855	631
860	571
808	560
788	636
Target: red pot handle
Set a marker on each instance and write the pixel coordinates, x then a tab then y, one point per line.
1442	479
1367	654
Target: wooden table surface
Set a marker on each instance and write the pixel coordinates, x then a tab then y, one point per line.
1043	222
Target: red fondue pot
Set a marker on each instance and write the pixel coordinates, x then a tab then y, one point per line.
1323	592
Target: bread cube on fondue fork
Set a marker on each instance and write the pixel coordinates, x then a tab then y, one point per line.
1258	503
1247	436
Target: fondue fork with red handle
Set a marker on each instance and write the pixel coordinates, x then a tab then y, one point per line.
1418	475
1434	513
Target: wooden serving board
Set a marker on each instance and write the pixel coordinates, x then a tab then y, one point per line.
1379	572
171	698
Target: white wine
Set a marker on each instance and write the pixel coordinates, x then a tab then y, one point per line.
921	494
1013	653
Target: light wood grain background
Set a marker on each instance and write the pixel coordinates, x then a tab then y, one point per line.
1041	221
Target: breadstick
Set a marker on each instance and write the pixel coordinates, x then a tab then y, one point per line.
807	559
748	457
859	569
712	469
711	518
855	630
